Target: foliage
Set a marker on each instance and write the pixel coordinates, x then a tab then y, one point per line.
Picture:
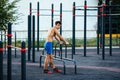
8	11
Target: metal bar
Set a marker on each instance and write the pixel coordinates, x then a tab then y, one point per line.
9	60
52	15
33	51
29	36
87	15
1	60
23	61
87	9
85	22
98	30
103	34
38	26
110	29
73	30
15	44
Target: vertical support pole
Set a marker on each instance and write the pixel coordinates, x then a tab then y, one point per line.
38	26
110	29
9	60
5	44
33	49
23	61
103	31
15	44
52	15
85	22
29	36
98	29
61	26
73	31
1	60
61	18
29	32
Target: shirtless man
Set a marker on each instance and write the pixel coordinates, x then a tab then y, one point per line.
53	32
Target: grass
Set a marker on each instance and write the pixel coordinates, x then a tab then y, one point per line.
79	42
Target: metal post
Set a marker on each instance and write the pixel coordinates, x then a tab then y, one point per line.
52	15
38	26
85	22
73	31
110	28
23	61
5	44
103	31
29	36
61	18
33	49
61	25
98	29
9	60
15	44
1	60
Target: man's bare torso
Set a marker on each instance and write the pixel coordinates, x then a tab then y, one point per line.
50	34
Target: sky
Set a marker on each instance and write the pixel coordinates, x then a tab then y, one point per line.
45	22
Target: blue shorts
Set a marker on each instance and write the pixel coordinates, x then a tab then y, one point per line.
48	47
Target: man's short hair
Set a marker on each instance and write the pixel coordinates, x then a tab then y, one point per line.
57	22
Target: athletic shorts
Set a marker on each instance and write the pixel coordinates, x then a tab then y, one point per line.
48	47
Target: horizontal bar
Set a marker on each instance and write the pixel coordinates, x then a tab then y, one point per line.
88	9
113	14
87	15
48	15
53	10
100	6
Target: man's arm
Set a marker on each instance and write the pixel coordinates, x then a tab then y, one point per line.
60	37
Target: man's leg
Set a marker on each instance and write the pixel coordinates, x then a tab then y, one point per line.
53	66
51	62
47	58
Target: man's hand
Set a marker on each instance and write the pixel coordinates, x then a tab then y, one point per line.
60	42
66	42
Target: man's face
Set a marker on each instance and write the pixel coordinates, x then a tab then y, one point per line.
58	26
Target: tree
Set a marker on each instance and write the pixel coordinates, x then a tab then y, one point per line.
8	11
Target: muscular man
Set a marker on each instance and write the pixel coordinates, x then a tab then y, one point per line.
53	32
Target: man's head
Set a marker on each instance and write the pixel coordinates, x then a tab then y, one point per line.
57	24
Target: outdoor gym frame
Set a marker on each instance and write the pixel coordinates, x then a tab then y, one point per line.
101	22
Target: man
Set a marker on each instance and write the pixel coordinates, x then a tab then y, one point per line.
53	32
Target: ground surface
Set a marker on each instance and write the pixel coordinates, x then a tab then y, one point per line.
91	67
